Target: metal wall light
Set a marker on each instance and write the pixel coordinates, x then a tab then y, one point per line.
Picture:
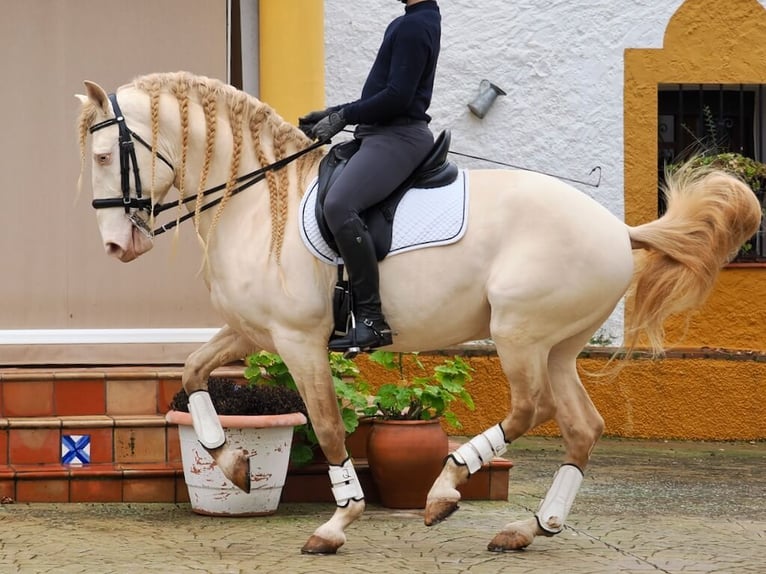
488	93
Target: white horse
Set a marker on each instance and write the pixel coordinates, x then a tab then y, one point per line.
539	269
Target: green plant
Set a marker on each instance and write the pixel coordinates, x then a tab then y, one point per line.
601	339
269	369
424	397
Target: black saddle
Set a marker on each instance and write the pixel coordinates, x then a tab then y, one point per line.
433	171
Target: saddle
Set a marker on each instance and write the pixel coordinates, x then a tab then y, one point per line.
433	171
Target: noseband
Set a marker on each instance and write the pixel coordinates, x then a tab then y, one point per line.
127	159
140	203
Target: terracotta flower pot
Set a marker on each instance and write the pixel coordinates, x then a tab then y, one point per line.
405	458
267	439
356	442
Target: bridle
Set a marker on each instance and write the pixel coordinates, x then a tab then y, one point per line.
128	161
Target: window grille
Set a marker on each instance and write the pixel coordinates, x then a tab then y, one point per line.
712	119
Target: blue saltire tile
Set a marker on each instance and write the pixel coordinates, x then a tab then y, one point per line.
75	449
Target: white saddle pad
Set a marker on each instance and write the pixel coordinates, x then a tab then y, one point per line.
424	218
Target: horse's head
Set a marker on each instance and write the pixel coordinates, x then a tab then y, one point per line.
123	207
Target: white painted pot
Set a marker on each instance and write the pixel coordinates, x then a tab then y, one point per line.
267	440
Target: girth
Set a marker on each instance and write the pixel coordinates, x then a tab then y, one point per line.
433	171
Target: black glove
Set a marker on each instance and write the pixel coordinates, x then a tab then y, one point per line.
327	127
307	123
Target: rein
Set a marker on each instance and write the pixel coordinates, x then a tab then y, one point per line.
128	159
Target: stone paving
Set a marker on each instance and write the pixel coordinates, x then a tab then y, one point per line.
659	507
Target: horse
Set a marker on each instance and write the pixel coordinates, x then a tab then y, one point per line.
539	269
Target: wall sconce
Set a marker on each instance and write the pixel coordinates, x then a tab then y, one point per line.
488	92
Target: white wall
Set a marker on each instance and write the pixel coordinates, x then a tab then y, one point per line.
561	63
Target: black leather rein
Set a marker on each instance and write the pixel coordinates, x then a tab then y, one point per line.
128	159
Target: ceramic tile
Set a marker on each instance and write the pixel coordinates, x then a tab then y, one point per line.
34	423
167	388
47	471
79	397
95	470
149	489
4	446
34	446
96	490
42	490
182	492
139	444
173	444
75	449
7	487
131	397
498	481
477	486
27	398
101	443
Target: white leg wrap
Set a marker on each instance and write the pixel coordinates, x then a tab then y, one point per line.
555	508
345	484
481	448
205	420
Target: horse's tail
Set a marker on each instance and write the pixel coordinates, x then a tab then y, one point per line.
710	214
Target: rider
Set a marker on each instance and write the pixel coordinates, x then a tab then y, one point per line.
392	127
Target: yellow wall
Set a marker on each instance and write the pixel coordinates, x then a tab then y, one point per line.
706	41
694	395
291	56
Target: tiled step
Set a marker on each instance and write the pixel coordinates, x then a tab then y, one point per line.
99	435
137	459
164	482
95	458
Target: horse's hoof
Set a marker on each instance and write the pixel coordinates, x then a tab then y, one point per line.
235	465
318	545
439	510
508	542
241	474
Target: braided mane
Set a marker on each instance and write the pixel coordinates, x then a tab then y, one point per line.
268	132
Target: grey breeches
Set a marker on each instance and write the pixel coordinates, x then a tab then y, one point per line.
387	155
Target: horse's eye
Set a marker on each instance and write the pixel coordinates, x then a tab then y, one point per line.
103	158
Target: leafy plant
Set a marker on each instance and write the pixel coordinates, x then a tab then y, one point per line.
601	339
269	369
424	397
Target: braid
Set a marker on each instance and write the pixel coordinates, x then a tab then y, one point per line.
236	111
257	121
181	92
282	135
209	103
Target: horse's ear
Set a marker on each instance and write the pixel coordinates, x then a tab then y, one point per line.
97	95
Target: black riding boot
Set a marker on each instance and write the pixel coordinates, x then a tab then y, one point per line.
370	330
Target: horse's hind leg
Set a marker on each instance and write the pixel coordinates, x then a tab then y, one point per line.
225	346
525	367
581	427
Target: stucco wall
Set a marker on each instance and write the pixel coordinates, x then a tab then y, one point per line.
688	395
562	67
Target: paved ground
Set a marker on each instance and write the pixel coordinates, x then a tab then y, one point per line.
659	507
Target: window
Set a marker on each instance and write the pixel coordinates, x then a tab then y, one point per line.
709	119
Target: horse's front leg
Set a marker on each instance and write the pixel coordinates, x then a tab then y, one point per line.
311	370
225	346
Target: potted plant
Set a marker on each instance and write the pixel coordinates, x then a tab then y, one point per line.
257	418
269	369
407	445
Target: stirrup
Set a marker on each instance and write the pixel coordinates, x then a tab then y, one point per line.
349	343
